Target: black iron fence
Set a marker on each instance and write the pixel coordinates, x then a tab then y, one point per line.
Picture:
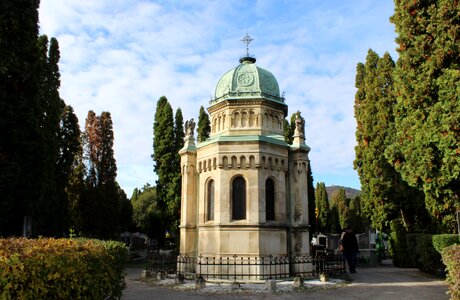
259	268
164	262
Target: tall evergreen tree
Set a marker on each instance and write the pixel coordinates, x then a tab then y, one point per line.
426	149
358	221
385	195
342	203
164	152
322	203
174	186
107	172
125	220
50	213
204	125
70	165
107	166
334	221
21	141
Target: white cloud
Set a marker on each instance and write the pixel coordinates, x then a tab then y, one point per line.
121	56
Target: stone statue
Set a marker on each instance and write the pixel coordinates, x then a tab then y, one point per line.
189	127
299	124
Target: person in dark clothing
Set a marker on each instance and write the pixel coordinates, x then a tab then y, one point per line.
350	248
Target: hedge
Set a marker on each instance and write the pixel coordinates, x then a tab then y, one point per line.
441	241
451	258
416	250
61	269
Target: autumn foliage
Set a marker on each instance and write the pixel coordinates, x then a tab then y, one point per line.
61	269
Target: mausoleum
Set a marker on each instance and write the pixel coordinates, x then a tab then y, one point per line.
244	189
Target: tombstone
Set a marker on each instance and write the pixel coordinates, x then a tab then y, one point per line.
200	283
270	285
298	281
145	274
323	277
161	276
180	279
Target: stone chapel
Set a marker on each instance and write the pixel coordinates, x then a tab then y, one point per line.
244	189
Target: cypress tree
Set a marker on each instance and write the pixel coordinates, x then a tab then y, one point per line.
50	214
342	203
204	125
21	141
70	165
164	152
107	171
334	221
426	149
322	203
174	186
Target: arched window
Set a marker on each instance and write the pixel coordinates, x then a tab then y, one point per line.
269	200
210	200
239	198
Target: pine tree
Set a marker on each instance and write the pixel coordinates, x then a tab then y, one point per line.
21	141
322	203
427	78
204	125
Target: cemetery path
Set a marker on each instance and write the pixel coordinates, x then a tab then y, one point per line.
385	282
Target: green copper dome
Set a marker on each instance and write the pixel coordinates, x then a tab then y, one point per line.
247	81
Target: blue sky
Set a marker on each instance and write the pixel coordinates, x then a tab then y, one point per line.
122	55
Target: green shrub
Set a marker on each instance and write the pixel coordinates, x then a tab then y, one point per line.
426	257
441	241
414	250
61	269
451	258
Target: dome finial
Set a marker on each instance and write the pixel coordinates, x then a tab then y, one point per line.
247	40
248	58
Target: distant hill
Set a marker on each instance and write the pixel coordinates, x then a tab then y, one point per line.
351	193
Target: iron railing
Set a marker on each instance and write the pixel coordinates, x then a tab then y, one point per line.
162	262
259	268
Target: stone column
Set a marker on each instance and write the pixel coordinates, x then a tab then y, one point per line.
189	218
298	177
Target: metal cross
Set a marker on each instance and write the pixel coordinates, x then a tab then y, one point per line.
247	40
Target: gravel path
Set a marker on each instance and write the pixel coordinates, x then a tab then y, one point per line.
386	282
